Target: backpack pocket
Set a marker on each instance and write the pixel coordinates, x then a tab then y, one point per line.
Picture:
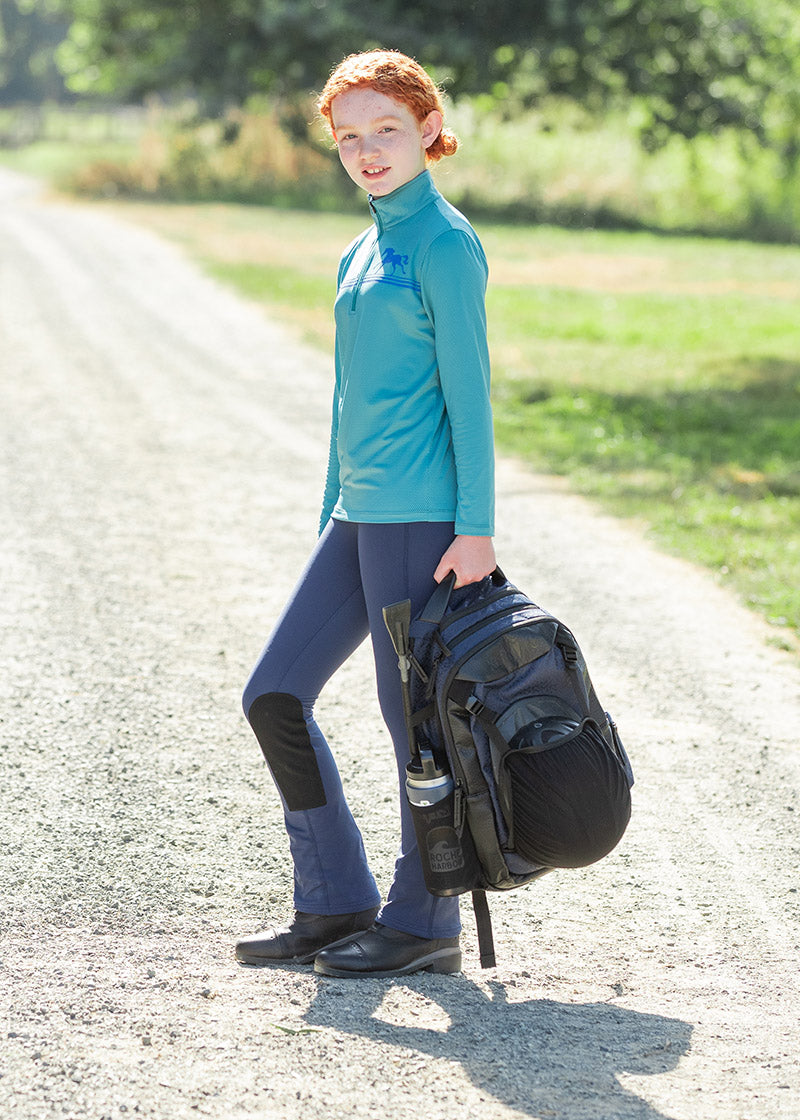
564	791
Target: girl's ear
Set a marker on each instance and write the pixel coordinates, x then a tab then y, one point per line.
431	127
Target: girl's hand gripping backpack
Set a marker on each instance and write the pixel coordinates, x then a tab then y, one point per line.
526	770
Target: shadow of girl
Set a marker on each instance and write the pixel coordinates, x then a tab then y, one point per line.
538	1056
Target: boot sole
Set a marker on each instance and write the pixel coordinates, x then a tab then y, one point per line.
442	961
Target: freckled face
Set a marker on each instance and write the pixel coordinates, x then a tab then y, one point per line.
381	143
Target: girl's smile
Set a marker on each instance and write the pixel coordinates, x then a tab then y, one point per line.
381	143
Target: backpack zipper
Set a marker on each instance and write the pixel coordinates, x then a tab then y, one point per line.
496	597
447	651
491	618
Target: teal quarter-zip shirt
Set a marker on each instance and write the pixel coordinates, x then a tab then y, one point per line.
411	437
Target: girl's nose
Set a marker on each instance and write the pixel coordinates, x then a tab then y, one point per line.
369	147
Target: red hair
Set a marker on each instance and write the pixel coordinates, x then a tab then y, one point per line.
397	76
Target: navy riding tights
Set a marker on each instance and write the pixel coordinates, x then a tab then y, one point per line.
354	571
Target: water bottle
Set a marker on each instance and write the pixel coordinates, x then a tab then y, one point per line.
449	862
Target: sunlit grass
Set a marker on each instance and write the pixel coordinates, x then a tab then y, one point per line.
56	161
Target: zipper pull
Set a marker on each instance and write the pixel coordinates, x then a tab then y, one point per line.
458	807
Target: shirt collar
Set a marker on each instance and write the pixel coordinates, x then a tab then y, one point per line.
389	209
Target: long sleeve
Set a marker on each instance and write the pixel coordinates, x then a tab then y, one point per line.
454	276
331	493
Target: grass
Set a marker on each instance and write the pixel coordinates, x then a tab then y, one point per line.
662	379
58	160
659	374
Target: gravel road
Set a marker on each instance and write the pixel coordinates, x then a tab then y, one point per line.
163	445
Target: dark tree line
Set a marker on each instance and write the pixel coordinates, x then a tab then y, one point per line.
29	36
692	65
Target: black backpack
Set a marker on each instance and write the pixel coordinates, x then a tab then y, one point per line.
502	717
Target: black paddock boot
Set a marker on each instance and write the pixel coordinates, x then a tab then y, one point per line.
303	938
383	951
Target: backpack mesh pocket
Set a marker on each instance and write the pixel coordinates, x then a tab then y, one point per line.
567	792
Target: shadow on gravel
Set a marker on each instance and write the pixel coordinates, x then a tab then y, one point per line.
544	1058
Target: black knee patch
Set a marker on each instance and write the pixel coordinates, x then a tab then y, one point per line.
280	727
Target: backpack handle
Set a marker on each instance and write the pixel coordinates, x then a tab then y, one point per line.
436	607
434	610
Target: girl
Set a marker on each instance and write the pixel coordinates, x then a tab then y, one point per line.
409	497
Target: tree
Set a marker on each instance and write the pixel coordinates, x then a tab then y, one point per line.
29	33
220	52
693	65
696	66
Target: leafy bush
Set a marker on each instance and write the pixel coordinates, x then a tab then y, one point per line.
562	165
244	156
557	164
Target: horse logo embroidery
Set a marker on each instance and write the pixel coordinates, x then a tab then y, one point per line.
394	260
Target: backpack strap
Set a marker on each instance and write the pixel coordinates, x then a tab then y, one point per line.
487	719
483	925
568	646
